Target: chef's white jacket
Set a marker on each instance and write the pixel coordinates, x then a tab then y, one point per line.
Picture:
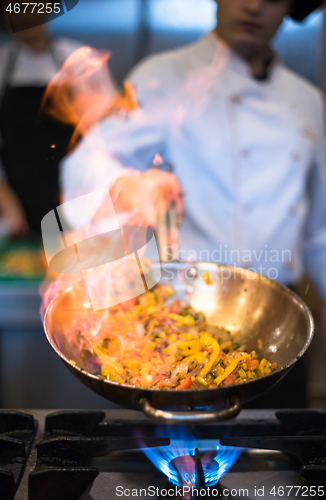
249	154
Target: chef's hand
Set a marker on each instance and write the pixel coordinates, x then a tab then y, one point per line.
12	211
144	197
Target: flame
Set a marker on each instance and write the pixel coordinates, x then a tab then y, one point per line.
82	92
183	444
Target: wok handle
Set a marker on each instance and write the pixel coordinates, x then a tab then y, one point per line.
200	417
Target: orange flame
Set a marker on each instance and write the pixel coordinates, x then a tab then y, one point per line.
82	92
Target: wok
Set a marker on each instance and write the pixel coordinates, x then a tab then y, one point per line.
238	300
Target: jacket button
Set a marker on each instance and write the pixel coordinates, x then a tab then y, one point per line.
245	153
295	156
236	99
294	210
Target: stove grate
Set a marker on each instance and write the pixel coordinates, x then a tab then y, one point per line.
17	432
61	469
65	459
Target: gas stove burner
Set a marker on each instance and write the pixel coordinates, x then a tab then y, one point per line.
178	460
190	470
78	455
192	473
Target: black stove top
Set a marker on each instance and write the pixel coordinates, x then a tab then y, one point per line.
82	455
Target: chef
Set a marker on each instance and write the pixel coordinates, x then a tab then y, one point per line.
245	136
32	144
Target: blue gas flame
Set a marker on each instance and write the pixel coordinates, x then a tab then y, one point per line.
182	444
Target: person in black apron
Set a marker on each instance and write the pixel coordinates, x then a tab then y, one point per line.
33	143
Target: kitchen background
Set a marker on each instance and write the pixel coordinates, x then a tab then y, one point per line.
31	374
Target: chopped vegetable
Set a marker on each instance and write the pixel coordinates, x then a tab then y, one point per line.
151	344
185	384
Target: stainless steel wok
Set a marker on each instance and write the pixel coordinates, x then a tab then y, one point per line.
239	300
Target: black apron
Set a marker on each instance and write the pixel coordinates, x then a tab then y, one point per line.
33	146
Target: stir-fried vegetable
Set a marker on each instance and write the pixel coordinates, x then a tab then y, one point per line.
154	345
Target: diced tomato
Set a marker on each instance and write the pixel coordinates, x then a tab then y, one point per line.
253	364
230	379
274	366
239	354
185	384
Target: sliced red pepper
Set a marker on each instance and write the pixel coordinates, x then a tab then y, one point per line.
253	364
230	379
185	384
157	379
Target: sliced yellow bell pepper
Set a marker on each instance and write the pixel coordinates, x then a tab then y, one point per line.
173	316
188	320
187	336
110	374
262	364
147	299
132	364
181	320
147	348
232	366
146	378
220	370
172	338
107	362
172	349
190	347
150	310
229	369
186	348
199	356
207	341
